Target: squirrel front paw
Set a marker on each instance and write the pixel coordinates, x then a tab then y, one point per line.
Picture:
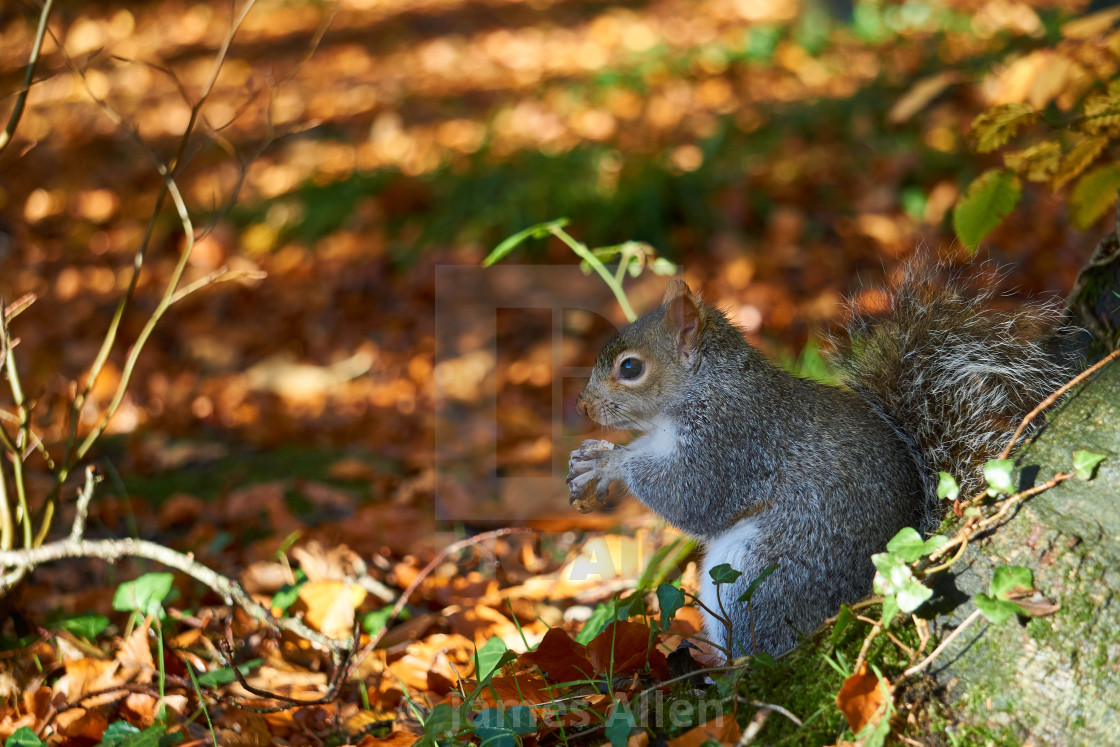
588	481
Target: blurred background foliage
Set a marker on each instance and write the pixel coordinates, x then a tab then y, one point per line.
785	152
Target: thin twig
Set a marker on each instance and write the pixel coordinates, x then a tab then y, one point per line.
754	727
28	75
780	710
943	645
81	509
111	550
1054	398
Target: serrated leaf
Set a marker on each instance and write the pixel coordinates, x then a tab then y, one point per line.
1101	113
669	599
1009	577
1078	159
986	202
999	474
995	610
1037	163
1093	195
995	127
144	595
947	487
1084	462
757	581
724	574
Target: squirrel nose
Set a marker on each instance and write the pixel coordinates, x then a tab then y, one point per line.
583	407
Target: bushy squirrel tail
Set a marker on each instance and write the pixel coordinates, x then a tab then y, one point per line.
954	376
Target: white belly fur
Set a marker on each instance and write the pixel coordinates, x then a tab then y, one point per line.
734	548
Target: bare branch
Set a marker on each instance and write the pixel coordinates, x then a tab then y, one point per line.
28	75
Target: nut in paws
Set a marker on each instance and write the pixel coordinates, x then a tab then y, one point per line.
588	486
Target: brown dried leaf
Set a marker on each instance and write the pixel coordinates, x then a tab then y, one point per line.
625	648
861	698
1078	159
995	127
722	729
920	95
559	657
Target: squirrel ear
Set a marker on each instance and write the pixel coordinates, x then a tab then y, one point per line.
682	314
677	287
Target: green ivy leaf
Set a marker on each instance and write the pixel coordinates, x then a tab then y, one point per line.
116	733
753	586
892	572
1084	462
986	202
724	574
1009	577
999	474
144	595
890	609
996	610
225	675
669	599
907	544
947	487
440	721
24	737
913	595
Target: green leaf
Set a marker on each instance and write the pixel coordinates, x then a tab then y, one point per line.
890	609
440	721
669	599
892	572
1009	577
116	733
947	487
662	266
498	727
537	231
907	544
490	657
225	675
144	595
913	595
999	474
1093	195
1084	462
986	202
619	724
996	610
24	737
843	620
753	586
153	736
88	625
724	574
289	593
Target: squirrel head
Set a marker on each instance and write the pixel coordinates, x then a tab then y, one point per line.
646	365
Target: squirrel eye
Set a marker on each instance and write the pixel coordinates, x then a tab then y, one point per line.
630	368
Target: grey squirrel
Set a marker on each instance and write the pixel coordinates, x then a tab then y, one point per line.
766	468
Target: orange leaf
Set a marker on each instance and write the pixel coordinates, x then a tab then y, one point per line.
632	649
722	729
559	657
330	606
861	697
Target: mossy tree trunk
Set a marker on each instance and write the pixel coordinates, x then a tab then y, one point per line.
1054	679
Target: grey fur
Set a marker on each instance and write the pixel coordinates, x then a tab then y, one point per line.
811	477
